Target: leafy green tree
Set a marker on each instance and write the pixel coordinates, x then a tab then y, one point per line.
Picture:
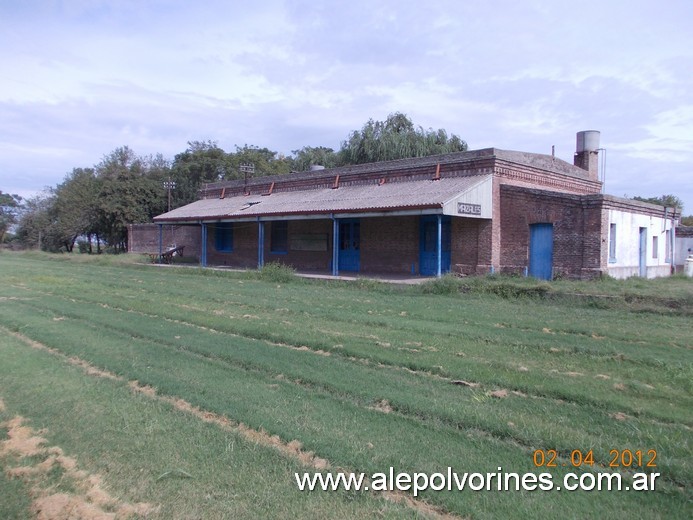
670	201
129	193
10	206
76	206
39	225
265	161
202	162
309	156
396	138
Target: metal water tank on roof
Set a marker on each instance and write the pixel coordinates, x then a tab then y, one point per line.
588	141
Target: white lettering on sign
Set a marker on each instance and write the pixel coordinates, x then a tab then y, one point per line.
468	209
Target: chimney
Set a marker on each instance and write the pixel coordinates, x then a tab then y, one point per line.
587	152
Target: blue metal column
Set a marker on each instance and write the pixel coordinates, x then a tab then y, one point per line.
260	243
203	246
439	247
335	247
161	242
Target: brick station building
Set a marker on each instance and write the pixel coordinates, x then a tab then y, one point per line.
473	212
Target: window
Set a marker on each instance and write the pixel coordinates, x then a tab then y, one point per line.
667	247
612	243
223	237
655	247
279	239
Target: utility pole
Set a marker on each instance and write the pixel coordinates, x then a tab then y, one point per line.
169	185
246	168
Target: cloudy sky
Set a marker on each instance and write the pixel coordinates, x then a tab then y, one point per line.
79	78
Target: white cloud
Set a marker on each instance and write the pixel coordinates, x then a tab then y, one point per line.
80	78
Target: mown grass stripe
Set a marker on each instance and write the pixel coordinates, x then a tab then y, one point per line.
655	397
423	404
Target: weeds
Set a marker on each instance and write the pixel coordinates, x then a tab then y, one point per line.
274	272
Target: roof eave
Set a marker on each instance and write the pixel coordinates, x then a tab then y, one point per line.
312	214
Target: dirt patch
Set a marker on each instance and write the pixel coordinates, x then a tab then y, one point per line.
421	507
619	386
61	506
304	348
2	405
147	390
382	406
293	449
569	374
461	382
619	416
22	440
92	370
89	501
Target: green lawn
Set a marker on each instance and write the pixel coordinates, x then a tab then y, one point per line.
360	374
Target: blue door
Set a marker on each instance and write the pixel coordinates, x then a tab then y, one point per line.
541	251
349	245
642	262
428	248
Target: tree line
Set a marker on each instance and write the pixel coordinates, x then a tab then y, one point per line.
93	206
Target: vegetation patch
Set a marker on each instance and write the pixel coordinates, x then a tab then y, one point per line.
416	380
274	272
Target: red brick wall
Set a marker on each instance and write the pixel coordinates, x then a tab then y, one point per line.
390	245
578	231
244	252
306	260
466	248
144	238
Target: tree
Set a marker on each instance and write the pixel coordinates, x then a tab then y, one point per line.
314	155
37	226
130	192
201	162
76	206
670	201
265	161
10	206
396	138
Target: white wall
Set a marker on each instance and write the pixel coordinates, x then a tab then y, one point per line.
627	261
683	244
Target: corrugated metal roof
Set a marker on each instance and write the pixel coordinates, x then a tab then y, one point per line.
546	163
371	197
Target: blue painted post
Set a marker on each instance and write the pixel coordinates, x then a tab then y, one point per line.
260	243
203	246
161	242
439	247
335	247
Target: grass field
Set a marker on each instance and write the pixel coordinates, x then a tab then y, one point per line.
183	393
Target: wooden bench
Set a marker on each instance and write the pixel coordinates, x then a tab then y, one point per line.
166	257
